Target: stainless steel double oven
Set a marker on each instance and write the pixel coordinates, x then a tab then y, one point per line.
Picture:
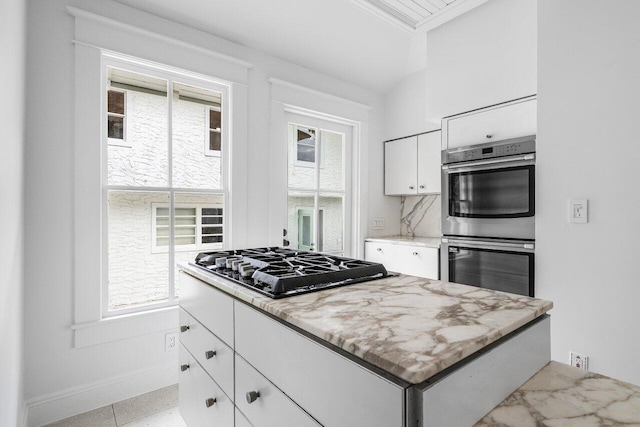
488	215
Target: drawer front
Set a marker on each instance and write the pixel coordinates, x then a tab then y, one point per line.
494	124
212	354
333	389
379	252
210	306
418	261
196	393
271	408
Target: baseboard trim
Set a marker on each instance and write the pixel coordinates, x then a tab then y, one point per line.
56	406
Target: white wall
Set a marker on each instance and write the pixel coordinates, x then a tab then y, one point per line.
483	57
12	41
61	380
588	133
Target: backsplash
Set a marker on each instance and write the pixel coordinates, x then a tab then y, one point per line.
420	216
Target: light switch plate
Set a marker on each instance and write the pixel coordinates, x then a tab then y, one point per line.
578	211
378	224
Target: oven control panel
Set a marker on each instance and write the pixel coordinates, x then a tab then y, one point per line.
491	150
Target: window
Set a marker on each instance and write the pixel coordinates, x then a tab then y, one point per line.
196	227
305	145
164	198
214	134
116	120
318	201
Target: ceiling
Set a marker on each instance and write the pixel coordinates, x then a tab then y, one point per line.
371	43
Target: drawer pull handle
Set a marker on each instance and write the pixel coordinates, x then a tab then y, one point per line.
184	367
252	396
379	249
489	136
415	253
422	187
210	402
184	328
209	354
411	187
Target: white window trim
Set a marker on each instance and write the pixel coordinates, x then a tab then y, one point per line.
198	246
207	129
124	142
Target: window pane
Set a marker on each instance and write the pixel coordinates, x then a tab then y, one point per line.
192	168
212	230
185	220
115	102
185	240
162	231
212	211
185	231
162	221
185	212
212	239
144	160
137	274
215	119
115	127
331	230
301	220
215	141
301	173
211	220
331	162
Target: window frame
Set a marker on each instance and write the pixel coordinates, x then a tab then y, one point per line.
199	225
207	131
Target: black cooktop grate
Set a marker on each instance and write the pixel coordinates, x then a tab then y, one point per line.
281	272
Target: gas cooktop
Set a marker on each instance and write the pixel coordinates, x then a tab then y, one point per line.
282	272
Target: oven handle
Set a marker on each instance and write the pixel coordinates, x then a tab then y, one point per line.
490	161
484	243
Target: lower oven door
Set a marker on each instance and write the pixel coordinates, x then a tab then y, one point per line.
506	266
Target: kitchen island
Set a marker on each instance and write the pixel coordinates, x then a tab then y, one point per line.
398	351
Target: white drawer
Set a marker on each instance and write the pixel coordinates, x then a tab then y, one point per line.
196	395
212	354
379	252
492	124
210	306
271	408
333	389
417	261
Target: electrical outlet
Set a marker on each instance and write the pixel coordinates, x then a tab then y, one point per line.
578	211
378	223
579	361
170	341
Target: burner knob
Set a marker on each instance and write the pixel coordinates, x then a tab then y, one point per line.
184	328
184	367
209	354
252	396
210	402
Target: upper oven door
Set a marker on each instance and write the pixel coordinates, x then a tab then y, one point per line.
490	198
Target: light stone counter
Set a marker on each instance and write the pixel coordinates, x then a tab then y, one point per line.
429	242
561	395
410	327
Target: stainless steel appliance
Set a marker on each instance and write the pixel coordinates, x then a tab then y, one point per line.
488	190
488	215
282	272
502	265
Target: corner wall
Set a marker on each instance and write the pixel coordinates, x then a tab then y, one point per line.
12	44
588	132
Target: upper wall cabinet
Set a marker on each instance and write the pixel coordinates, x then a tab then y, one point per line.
412	165
504	121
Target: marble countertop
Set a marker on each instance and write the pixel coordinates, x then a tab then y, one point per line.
408	326
430	242
561	395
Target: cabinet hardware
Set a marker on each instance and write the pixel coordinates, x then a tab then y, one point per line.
252	396
489	136
210	402
209	354
415	253
422	187
184	367
379	249
411	187
184	328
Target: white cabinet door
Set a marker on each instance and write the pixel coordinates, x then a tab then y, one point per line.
429	163
400	166
492	124
268	406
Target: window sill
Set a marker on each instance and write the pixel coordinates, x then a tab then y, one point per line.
118	142
117	328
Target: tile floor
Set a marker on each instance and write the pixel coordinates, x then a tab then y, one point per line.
155	409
